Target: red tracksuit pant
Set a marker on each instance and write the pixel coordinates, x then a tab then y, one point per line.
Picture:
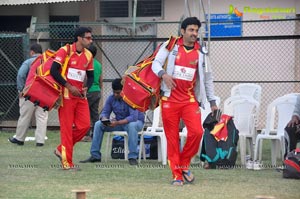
191	116
74	119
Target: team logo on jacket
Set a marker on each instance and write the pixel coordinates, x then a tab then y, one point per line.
58	59
86	65
195	62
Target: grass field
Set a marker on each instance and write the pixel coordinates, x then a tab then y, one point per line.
34	172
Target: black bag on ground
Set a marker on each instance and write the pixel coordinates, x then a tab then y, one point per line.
292	165
219	153
117	151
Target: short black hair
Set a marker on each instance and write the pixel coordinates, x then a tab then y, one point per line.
190	21
36	48
80	32
93	50
116	84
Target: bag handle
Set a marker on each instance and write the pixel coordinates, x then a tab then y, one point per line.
172	41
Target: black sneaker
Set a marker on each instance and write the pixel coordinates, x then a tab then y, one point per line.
90	159
39	144
133	161
15	141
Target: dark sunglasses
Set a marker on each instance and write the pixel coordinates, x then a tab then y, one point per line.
88	38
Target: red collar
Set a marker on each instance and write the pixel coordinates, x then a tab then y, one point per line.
180	43
74	48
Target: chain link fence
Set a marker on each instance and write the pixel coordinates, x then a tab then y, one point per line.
267	54
13	50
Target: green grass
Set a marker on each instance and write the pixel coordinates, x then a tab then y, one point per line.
33	172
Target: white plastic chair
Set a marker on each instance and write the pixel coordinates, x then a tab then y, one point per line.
109	140
279	112
248	89
292	94
124	134
182	135
251	90
157	131
110	136
244	111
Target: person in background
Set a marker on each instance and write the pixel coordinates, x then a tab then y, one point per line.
27	108
94	93
74	114
127	119
292	130
185	85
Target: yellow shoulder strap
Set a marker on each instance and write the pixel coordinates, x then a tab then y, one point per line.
64	67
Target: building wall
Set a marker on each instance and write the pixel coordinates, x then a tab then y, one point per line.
173	9
55	9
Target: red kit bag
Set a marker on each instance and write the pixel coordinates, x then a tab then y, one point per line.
141	87
40	87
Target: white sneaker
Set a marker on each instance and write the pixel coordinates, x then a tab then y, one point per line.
247	158
249	164
257	166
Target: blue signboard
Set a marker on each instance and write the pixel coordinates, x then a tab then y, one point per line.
225	25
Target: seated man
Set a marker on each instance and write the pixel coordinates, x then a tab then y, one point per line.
127	119
292	130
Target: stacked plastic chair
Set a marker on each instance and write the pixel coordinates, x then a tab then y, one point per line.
279	113
156	131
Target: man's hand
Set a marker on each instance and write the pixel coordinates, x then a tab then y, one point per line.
20	94
213	108
84	92
168	81
73	90
294	121
114	123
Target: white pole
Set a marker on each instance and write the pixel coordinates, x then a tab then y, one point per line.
208	22
205	47
201	8
187	10
134	17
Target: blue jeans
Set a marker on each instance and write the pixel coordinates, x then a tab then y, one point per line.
132	129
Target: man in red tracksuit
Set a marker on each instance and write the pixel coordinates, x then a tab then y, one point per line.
186	83
74	115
